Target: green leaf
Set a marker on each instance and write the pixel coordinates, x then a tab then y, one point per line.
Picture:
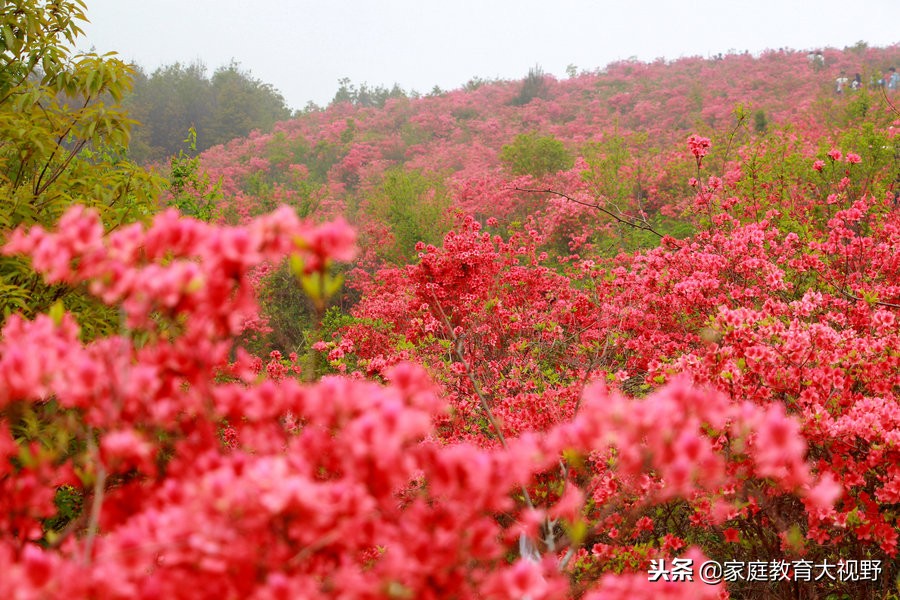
297	266
8	38
333	284
57	312
312	285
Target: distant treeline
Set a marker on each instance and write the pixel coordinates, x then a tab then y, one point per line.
229	104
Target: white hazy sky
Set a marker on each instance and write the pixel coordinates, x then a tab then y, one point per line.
302	47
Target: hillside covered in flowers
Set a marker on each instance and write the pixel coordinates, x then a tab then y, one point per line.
583	338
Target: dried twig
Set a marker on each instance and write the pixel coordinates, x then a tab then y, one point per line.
97	504
641	224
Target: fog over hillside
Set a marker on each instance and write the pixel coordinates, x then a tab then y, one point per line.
303	48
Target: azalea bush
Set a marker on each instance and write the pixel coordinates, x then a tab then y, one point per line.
794	313
204	477
676	344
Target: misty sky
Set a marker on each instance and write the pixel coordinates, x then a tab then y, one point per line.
303	47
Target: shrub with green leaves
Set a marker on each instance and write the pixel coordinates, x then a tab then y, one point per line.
64	135
416	208
536	155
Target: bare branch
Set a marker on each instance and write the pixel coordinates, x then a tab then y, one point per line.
458	350
858	299
97	504
641	224
892	106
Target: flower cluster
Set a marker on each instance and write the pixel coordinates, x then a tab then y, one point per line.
194	479
699	146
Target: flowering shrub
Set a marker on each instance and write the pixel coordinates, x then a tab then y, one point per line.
787	324
200	478
525	410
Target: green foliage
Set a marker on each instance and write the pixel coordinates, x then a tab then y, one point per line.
64	135
618	174
177	97
632	239
365	95
880	153
69	504
413	134
415	206
191	190
297	307
324	155
282	151
772	170
318	159
167	103
474	83
531	154
859	105
241	104
290	315
607	162
349	131
760	123
859	48
335	320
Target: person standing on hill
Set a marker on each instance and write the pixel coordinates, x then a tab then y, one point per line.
816	60
893	79
856	84
841	82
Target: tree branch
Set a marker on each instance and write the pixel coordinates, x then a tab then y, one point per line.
97	504
641	224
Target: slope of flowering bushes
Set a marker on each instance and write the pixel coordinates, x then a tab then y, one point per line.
680	344
201	478
343	149
624	126
786	299
779	288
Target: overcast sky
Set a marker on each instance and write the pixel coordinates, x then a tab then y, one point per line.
302	47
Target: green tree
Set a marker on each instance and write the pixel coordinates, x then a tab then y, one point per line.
242	104
176	98
62	145
533	86
190	188
416	207
169	102
760	123
365	95
532	154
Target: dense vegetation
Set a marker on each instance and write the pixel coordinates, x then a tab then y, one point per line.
177	98
519	340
